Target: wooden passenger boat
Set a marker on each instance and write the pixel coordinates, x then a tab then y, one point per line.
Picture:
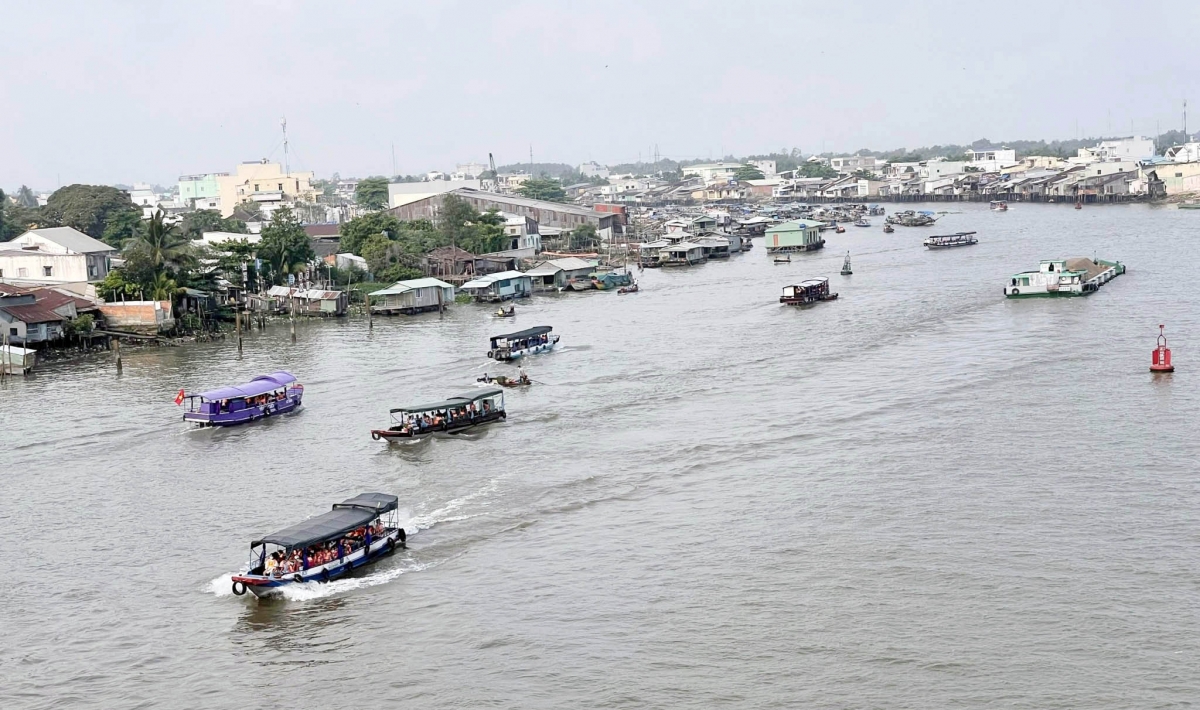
355	533
628	289
888	229
807	292
452	416
949	241
998	206
263	396
503	381
511	312
523	342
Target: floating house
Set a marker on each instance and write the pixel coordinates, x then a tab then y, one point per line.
681	254
714	247
308	302
1063	277
500	287
412	296
649	252
557	273
796	235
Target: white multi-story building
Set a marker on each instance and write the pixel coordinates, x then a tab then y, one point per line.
993	161
708	172
1135	148
853	163
766	167
595	170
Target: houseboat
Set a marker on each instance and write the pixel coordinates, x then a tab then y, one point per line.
681	254
650	253
412	296
356	533
795	236
806	292
263	396
1063	277
523	342
998	206
501	286
876	210
949	241
453	416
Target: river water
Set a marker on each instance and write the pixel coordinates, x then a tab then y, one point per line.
920	495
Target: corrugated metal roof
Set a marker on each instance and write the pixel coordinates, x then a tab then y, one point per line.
568	263
72	239
411	285
33	313
489	279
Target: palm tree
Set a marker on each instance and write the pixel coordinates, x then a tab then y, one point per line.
163	245
163	288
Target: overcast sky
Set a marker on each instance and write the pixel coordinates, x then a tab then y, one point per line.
106	92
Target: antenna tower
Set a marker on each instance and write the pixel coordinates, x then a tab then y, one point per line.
286	167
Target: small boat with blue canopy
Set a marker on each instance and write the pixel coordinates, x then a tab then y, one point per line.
523	342
452	416
263	396
356	533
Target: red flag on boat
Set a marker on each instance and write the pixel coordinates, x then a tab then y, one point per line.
179	397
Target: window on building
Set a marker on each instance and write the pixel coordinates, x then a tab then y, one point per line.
22	271
47	271
12	331
281	187
1	273
1178	174
91	269
256	187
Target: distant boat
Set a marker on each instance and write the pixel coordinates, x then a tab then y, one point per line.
998	206
264	396
860	222
888	229
785	259
525	342
846	270
947	241
1189	205
806	292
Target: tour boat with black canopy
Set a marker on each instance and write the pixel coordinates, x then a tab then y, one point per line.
523	342
263	396
356	532
452	416
807	292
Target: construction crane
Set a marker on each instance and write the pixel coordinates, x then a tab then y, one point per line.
492	169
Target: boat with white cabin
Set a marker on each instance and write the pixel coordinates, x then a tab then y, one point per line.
1063	277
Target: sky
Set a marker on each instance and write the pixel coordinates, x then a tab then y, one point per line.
122	92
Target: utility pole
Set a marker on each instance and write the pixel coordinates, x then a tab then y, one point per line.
393	160
1185	118
530	160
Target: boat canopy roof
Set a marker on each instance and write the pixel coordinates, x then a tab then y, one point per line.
809	283
527	333
259	385
459	401
345	516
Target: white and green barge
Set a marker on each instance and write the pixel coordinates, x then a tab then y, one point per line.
1063	277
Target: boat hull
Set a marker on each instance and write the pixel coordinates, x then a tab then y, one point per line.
443	431
807	302
262	586
249	414
508	356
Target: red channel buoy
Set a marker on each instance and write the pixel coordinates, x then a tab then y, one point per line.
1160	360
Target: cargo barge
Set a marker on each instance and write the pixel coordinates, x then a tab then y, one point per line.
1063	277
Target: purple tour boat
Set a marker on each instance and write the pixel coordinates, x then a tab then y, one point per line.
264	396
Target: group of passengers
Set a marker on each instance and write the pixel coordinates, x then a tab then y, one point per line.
440	418
279	563
533	342
261	400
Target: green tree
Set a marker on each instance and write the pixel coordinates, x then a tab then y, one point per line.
543	189
372	193
195	224
117	285
748	172
88	208
7	231
26	198
584	237
121	228
388	260
356	231
816	170
284	248
160	247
